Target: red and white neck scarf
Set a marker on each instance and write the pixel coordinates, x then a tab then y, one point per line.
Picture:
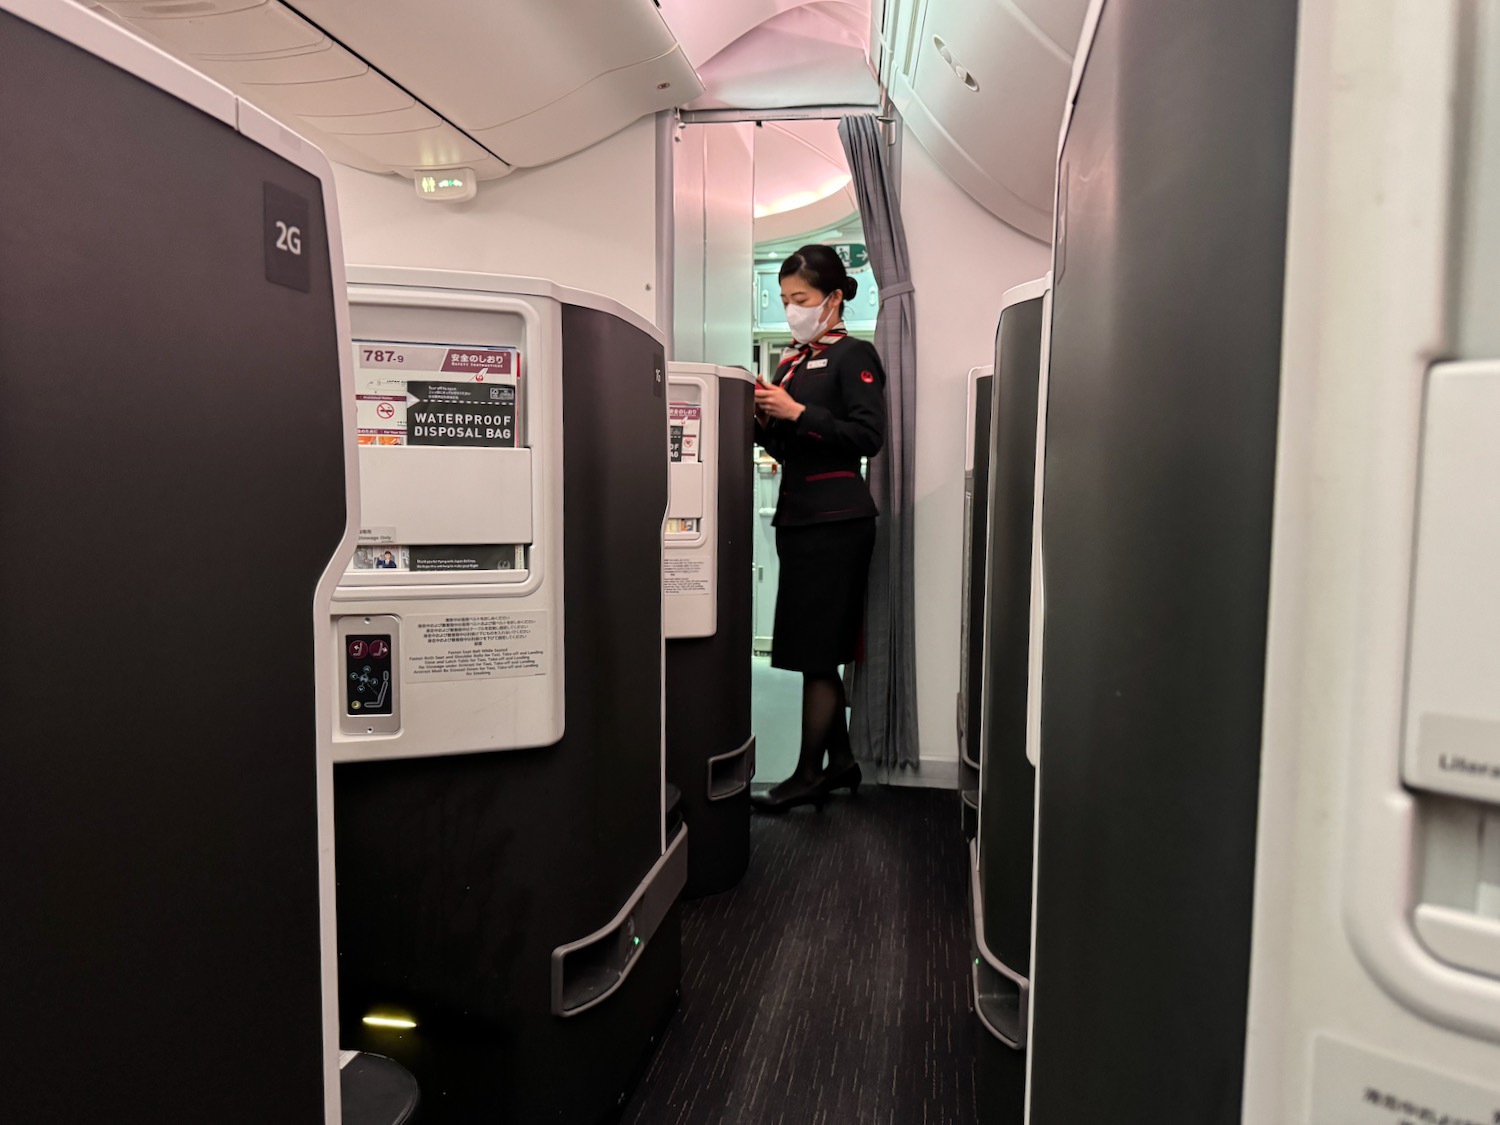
792	357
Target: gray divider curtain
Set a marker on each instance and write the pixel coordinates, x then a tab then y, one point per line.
883	686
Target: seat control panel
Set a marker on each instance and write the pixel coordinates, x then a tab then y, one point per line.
370	700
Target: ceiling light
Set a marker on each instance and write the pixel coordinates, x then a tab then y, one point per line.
799	199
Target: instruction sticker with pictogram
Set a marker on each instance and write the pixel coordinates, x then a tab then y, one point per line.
422	394
478	646
684	428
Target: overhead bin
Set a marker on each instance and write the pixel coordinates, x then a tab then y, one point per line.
402	88
982	87
996	88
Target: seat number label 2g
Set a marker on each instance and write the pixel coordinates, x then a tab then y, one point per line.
288	238
286	234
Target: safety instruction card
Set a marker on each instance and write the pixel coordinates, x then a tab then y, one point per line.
418	394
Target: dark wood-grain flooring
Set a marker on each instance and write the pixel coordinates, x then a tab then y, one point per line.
831	986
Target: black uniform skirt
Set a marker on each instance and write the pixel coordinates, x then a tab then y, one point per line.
820	598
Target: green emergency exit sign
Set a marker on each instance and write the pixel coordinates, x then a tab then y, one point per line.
852	254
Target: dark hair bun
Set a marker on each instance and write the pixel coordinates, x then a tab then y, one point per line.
822	268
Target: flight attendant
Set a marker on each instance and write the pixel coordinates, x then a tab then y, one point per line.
822	412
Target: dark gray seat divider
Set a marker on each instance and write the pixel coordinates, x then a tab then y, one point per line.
460	875
1003	849
976	550
710	746
976	547
1008	780
172	490
1161	443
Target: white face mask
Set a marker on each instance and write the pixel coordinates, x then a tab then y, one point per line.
806	321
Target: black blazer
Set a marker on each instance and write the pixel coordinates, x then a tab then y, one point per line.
843	388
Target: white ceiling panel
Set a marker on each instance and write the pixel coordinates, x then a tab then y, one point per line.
765	54
584	116
323	63
442	147
830	212
482	63
175	9
487	168
267	27
706	27
791	154
407	120
802	179
342	97
339	152
408	84
802	57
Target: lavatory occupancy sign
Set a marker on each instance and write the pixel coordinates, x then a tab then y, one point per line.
409	394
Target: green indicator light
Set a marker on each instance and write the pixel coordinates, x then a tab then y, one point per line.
637	941
452	186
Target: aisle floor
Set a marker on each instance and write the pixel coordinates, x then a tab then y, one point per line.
831	986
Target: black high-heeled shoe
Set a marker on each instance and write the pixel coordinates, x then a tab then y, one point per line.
789	794
847	778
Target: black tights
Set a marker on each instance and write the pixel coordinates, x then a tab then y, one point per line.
823	724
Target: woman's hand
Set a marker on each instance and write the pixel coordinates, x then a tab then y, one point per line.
774	402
